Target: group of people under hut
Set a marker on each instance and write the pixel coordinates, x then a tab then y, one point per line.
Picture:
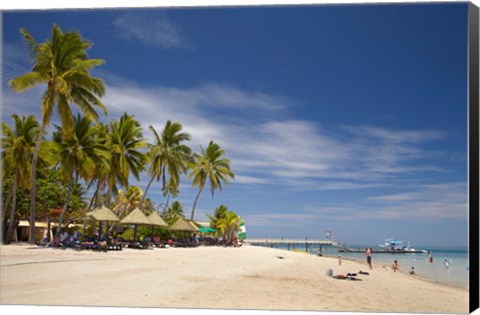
110	241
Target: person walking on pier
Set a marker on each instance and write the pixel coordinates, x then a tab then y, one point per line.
368	253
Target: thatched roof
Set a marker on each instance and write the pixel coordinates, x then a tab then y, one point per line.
102	213
182	225
156	219
136	217
194	226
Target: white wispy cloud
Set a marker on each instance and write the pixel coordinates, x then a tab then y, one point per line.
266	147
428	203
159	32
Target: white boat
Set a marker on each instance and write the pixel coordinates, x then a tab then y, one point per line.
399	246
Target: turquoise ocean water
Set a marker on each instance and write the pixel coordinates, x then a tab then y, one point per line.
456	274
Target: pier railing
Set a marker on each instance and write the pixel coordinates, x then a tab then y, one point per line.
263	241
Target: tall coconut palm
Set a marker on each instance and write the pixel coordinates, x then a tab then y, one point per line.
18	146
169	155
78	154
211	167
125	143
61	64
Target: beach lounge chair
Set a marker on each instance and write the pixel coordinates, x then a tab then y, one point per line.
157	242
137	245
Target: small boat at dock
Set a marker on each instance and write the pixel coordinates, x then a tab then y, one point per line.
391	246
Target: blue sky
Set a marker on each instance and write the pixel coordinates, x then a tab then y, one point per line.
344	117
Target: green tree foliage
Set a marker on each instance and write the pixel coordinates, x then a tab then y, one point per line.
17	151
225	222
126	143
228	225
78	154
173	213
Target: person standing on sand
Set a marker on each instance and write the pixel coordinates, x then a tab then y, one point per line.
368	253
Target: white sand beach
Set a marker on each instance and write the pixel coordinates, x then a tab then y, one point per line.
213	277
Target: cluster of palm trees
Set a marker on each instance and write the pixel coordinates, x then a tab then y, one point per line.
103	155
225	222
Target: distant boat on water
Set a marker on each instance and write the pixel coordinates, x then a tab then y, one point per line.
394	245
391	246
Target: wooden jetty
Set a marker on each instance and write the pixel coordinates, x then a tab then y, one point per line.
291	243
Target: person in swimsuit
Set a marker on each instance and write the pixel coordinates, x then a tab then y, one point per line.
368	253
395	266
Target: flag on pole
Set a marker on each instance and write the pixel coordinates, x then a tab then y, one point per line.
242	234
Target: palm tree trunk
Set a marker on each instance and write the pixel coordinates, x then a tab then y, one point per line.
195	203
146	190
95	196
12	211
5	205
168	199
70	188
164	180
33	191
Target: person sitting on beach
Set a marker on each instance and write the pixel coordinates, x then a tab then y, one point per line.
412	271
64	239
395	266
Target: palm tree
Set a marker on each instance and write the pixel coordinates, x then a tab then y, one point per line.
18	146
78	154
127	201
125	143
220	212
212	167
229	224
171	190
61	64
173	213
169	155
102	168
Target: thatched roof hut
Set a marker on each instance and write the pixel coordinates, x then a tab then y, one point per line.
183	225
102	213
136	217
156	220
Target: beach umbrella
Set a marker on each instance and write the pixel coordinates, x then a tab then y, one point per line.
101	214
183	225
206	229
136	218
156	220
